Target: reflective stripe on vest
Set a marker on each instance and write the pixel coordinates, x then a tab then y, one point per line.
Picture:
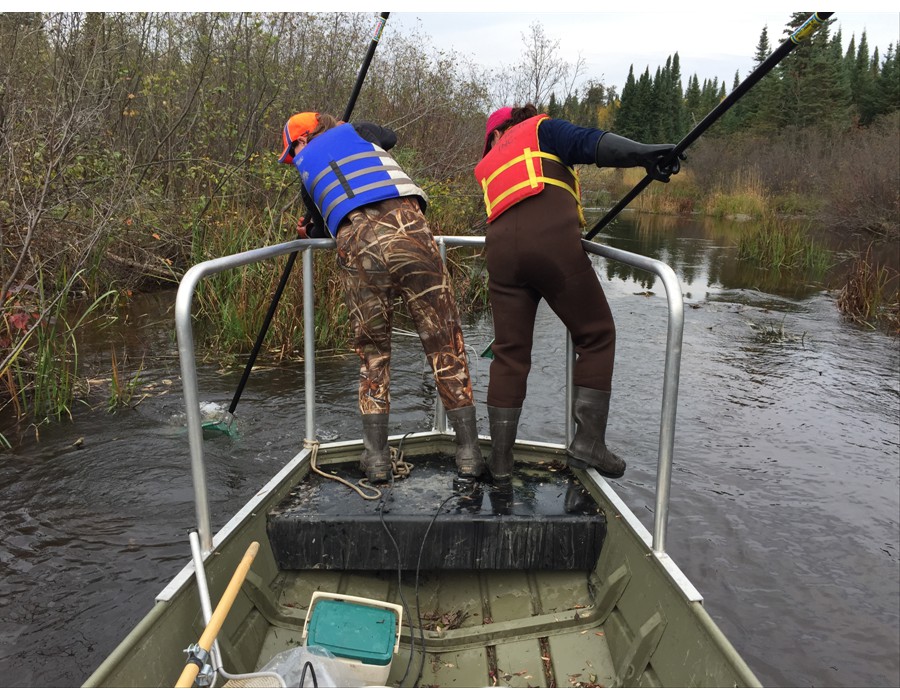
513	170
342	172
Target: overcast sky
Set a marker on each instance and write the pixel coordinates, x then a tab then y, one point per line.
712	44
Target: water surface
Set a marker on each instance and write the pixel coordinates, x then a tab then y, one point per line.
785	493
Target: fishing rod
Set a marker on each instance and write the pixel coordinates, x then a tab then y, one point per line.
816	20
228	418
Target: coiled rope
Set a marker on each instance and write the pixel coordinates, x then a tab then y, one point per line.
400	469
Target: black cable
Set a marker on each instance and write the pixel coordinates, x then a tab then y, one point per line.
412	636
312	672
416	588
403	602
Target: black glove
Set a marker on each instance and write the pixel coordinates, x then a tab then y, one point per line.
315	229
379	135
614	151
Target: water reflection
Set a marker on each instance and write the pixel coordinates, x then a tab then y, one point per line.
702	252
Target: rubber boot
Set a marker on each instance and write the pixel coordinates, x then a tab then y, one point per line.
375	460
504	426
469	460
590	409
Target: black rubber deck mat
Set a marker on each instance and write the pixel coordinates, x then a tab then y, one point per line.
426	521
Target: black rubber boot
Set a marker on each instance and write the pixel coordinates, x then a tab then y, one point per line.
469	460
590	409
504	426
375	460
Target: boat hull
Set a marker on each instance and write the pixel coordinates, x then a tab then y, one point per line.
626	618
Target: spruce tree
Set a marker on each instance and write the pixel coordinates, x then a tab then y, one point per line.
626	115
812	92
887	84
735	118
843	93
644	110
849	64
868	97
592	103
709	96
692	102
750	106
553	109
658	116
676	102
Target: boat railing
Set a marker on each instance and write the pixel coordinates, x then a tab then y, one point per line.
307	247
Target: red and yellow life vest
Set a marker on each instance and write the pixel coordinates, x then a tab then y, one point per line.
513	170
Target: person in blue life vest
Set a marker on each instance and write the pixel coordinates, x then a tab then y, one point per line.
534	252
354	191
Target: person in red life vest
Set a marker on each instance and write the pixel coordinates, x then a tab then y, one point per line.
354	191
534	252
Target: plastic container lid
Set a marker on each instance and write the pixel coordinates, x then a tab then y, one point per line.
353	631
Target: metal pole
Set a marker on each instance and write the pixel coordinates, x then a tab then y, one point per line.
440	414
185	335
309	343
289	266
672	370
806	30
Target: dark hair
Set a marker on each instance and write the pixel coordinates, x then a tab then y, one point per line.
519	114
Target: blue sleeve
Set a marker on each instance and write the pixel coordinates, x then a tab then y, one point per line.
573	144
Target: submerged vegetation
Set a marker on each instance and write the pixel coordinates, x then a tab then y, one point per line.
134	145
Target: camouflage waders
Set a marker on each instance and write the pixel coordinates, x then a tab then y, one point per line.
384	249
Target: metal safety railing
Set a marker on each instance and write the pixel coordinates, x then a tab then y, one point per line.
187	360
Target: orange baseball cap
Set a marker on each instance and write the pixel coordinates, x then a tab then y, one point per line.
298	126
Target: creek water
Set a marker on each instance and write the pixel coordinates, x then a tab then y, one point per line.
784	500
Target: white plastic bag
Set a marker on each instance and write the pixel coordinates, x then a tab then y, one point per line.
324	670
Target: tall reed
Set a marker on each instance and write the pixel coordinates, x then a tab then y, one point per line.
866	299
742	193
232	305
122	389
779	243
41	374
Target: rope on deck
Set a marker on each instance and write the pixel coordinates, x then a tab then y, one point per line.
399	467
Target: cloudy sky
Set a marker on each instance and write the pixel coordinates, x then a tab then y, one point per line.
712	44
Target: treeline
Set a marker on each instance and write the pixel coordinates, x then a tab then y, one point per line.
818	85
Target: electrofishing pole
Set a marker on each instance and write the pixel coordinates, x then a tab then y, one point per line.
805	30
816	20
228	418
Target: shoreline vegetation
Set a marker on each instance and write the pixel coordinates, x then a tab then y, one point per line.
135	145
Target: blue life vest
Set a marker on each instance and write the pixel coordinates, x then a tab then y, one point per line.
342	171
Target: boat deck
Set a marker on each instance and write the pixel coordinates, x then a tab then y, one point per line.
521	628
497	589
